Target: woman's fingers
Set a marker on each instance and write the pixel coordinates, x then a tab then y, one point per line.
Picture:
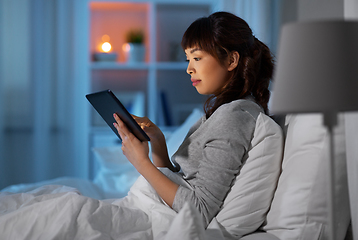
122	129
132	148
120	126
118	130
149	128
139	120
142	121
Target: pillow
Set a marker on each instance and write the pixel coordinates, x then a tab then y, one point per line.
299	207
246	205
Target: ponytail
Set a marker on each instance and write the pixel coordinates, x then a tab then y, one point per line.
257	71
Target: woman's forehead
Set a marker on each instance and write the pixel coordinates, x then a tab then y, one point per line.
191	50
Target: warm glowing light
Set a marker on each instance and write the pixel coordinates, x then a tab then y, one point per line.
106	47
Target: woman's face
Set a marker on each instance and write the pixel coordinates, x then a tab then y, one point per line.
208	76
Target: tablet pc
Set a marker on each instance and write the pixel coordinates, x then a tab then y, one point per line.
106	103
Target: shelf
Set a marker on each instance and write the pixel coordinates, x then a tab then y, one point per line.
163	71
139	66
165	92
115	19
119	66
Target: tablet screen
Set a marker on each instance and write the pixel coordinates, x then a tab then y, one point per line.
106	103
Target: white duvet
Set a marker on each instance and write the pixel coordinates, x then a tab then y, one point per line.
59	212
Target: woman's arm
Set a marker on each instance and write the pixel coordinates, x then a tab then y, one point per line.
165	188
160	155
137	153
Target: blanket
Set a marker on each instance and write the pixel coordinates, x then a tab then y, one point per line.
61	212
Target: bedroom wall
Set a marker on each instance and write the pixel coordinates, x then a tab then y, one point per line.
351	13
320	9
263	16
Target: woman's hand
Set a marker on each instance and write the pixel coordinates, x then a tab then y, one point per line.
152	130
137	153
135	150
160	155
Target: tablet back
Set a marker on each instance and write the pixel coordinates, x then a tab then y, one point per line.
106	104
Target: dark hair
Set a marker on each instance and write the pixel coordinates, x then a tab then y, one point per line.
219	35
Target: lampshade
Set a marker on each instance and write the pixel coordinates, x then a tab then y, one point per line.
317	68
317	71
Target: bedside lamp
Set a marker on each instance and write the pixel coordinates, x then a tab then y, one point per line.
317	71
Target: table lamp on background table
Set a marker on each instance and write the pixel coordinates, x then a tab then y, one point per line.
317	72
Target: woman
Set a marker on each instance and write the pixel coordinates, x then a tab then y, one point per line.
226	62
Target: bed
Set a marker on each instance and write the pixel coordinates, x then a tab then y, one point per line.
286	203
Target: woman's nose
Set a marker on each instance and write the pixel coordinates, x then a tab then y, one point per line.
189	69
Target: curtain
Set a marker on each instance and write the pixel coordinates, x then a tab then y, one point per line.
43	82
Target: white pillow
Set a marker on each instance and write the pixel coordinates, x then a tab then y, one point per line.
246	205
298	210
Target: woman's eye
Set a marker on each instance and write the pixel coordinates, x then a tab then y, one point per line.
194	58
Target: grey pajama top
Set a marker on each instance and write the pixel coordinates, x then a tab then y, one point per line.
212	154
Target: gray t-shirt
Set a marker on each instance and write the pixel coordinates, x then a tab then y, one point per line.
212	154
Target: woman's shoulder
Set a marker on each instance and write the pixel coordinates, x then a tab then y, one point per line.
238	108
231	121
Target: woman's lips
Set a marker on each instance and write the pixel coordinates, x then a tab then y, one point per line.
195	82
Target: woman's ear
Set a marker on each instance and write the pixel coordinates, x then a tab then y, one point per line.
233	60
